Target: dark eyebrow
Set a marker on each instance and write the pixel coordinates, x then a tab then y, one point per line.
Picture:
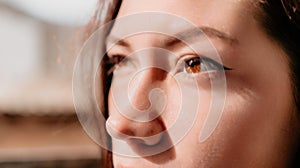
194	32
185	34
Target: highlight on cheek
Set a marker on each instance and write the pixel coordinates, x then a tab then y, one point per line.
139	90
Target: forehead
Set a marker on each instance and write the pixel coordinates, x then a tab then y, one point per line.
228	16
190	9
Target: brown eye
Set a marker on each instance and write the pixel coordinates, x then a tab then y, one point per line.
118	60
193	65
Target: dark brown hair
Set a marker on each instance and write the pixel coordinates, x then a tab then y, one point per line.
280	19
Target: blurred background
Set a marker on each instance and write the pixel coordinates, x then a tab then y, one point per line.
39	42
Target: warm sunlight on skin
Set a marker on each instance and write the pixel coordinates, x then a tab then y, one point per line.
255	123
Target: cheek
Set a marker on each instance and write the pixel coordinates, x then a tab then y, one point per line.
185	114
259	95
255	119
260	100
110	103
260	105
187	102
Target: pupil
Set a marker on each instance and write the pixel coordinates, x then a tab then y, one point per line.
193	65
194	62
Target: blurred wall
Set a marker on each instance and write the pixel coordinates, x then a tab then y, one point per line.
38	124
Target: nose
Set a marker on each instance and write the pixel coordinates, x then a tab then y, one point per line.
122	127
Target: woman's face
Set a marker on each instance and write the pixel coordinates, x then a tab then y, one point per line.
253	130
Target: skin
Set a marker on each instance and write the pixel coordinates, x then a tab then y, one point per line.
254	130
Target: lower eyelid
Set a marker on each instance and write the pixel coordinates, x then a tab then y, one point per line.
202	80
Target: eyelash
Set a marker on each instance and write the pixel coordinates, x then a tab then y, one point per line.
118	59
200	64
191	64
114	62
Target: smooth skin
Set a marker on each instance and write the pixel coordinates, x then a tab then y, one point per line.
255	128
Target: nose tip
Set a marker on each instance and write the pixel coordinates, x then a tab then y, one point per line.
116	130
135	114
148	133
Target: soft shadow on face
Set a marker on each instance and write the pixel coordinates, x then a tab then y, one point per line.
254	118
159	151
165	145
149	140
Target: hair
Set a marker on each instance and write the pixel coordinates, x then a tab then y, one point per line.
279	19
281	22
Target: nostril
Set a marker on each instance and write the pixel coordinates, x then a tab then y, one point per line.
146	141
145	133
152	140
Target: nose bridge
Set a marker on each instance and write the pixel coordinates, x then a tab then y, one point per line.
142	84
121	127
146	97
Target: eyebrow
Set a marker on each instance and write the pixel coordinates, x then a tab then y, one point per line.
185	34
209	31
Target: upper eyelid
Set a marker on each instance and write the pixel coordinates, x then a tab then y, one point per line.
182	57
111	55
207	59
190	56
116	50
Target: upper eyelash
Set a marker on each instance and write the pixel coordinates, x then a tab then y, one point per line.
206	59
213	61
110	65
113	64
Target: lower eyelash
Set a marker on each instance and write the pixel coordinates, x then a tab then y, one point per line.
211	75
